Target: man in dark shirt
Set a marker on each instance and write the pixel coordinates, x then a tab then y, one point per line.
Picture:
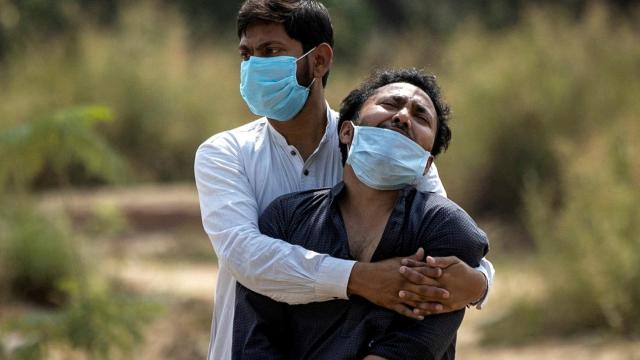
394	124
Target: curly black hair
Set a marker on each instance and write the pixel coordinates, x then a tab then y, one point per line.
351	105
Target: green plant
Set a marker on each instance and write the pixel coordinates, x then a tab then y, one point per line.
107	220
101	321
589	241
57	142
516	93
37	255
97	321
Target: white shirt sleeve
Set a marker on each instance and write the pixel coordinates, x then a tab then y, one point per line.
271	267
486	268
431	182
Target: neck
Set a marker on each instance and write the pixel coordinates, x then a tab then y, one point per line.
306	129
363	201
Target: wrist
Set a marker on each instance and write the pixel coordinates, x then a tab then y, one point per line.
483	289
356	283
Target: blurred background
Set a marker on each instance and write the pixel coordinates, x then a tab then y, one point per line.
104	102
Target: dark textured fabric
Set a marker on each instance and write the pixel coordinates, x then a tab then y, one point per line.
352	329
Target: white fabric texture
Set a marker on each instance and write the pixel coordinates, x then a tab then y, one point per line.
238	173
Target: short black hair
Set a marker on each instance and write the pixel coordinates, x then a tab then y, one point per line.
351	105
306	21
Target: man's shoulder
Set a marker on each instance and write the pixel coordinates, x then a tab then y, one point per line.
438	207
238	137
292	210
433	200
446	225
304	198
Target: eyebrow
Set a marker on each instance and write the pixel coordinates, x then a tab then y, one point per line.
419	108
262	45
395	98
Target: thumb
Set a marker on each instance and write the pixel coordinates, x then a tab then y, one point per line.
418	256
442	262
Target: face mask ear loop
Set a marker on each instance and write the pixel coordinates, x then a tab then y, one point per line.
353	135
305	54
312	81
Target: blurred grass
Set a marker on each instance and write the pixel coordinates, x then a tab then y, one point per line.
587	244
43	261
37	256
166	95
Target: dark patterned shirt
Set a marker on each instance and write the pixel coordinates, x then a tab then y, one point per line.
351	329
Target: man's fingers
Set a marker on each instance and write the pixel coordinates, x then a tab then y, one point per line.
406	311
442	262
425	293
421	275
418	256
428	308
412	263
425	308
431	272
414	300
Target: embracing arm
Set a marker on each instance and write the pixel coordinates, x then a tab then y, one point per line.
269	266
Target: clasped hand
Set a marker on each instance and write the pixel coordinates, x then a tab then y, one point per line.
416	287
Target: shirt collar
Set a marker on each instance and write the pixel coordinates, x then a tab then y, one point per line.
330	131
335	192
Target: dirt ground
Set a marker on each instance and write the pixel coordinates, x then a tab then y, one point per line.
165	254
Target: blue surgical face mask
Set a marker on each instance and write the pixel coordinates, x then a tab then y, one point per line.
270	88
385	159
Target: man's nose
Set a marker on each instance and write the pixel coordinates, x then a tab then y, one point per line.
402	118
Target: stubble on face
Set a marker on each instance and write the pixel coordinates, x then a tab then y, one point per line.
303	74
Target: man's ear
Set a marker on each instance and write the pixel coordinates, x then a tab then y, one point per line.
323	57
429	162
346	133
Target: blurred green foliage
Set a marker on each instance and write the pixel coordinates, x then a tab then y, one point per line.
588	243
37	256
516	95
37	252
99	322
24	22
107	221
548	122
53	145
42	260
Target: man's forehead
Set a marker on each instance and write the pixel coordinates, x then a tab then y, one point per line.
263	31
402	89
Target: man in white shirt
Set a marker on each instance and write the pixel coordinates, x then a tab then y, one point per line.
286	47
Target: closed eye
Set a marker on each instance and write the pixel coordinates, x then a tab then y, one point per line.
389	104
424	118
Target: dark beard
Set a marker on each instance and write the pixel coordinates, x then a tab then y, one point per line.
305	79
